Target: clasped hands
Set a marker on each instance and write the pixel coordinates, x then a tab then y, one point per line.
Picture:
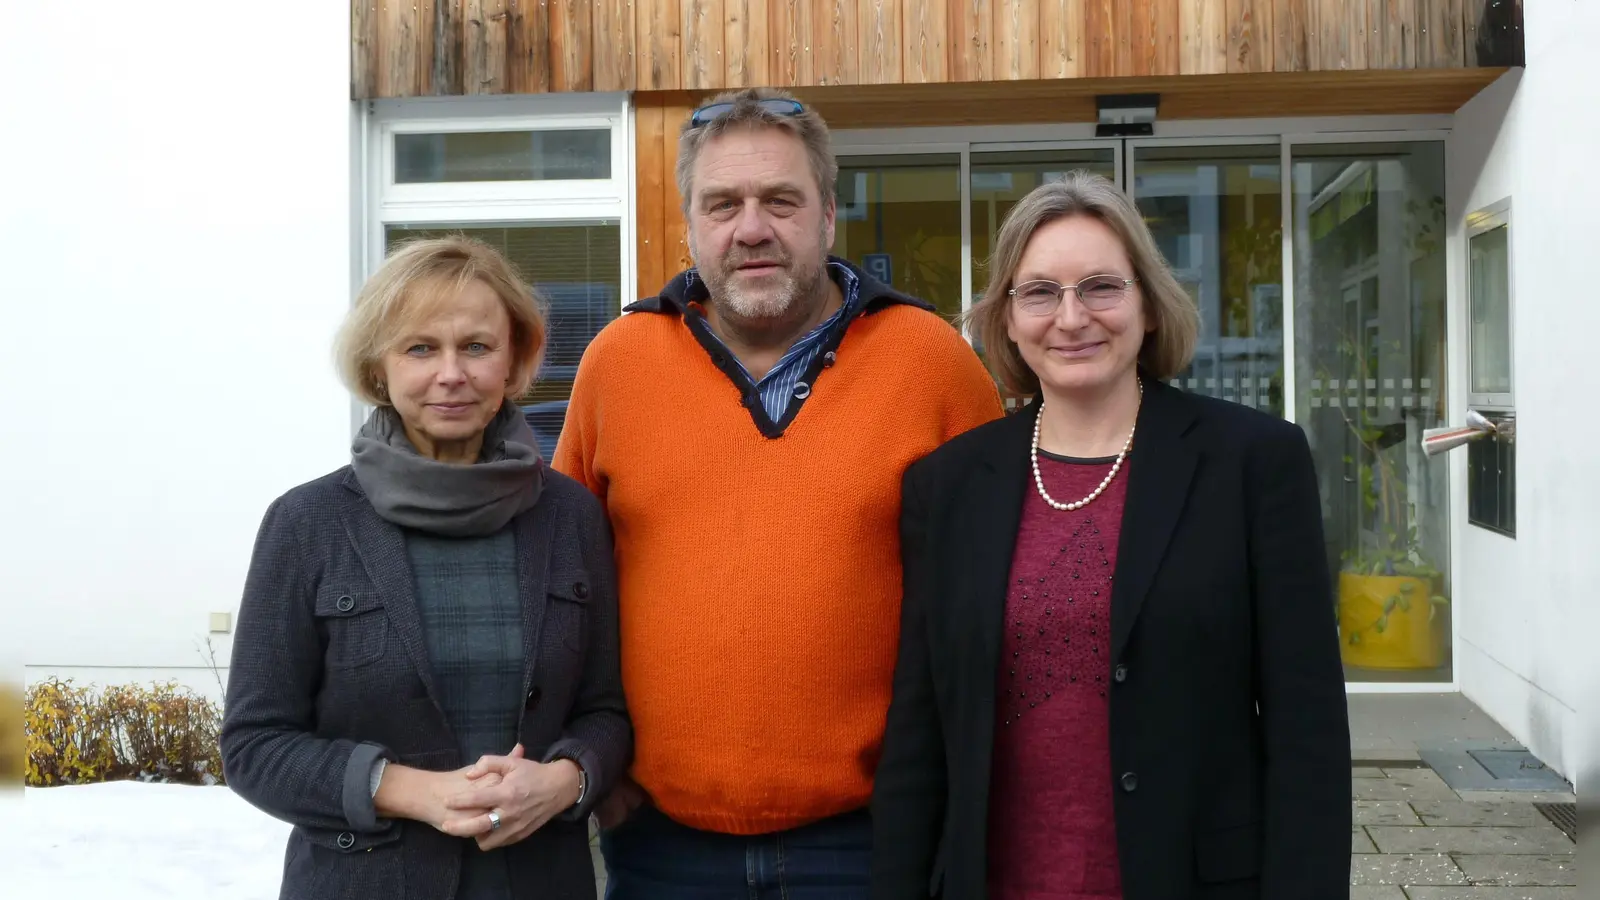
526	794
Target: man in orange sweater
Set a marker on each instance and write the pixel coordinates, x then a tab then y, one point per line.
747	430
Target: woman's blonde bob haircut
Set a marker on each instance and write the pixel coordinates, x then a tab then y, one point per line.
415	281
1167	306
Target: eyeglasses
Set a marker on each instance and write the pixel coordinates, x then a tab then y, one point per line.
1097	292
705	115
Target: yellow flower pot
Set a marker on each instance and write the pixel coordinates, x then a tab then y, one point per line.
1407	638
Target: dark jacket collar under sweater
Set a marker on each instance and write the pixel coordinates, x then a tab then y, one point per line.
687	288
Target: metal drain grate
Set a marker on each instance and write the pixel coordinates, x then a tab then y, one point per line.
1563	815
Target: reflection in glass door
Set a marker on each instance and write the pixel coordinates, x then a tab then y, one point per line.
1217	216
999	178
899	217
1369	299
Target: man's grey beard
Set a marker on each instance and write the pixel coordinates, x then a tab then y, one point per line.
723	284
768	303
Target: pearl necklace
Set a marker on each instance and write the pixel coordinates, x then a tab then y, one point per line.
1038	479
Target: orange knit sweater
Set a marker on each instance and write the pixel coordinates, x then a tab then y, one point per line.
760	578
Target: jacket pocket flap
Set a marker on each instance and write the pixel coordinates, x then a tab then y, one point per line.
572	585
333	603
1228	854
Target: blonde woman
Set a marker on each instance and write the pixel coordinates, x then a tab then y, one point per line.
425	679
1118	672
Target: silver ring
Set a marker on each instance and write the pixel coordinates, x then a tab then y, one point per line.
494	820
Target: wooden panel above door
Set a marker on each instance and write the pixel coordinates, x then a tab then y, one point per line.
1183	97
409	48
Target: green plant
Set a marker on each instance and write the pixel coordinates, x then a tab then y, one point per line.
1424	223
1253	253
1391	546
1252	258
928	274
1363	262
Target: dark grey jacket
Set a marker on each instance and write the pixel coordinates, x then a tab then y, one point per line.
330	672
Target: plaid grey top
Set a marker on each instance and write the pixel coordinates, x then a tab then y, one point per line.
472	621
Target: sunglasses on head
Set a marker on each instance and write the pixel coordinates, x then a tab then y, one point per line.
778	107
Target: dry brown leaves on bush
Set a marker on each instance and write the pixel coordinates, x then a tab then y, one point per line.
81	735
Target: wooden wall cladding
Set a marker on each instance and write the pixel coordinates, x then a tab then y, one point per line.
407	48
663	236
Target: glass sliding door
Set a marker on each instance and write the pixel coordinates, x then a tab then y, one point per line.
1217	216
899	217
1369	306
1369	354
1360	316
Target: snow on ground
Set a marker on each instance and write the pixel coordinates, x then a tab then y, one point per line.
133	841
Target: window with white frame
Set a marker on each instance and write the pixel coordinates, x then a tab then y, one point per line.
543	179
1489	306
1491	463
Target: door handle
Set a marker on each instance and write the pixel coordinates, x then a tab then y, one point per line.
1479	426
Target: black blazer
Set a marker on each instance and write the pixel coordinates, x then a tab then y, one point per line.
330	671
1229	740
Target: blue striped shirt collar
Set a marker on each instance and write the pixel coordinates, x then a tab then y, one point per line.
778	398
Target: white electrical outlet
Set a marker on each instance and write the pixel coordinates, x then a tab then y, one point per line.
221	622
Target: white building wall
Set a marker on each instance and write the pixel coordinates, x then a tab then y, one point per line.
1522	605
175	243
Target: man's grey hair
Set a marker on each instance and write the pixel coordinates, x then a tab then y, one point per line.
747	113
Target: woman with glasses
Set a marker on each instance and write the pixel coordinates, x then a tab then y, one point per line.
1118	673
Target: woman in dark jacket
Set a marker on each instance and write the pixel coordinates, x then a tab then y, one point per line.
1119	673
425	678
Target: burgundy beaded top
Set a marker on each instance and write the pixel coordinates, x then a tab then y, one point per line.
1052	833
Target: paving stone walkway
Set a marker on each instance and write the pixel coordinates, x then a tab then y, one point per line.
1416	839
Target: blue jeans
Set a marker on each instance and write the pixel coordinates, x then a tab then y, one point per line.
651	857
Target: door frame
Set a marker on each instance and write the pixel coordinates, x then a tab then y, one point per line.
1284	134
